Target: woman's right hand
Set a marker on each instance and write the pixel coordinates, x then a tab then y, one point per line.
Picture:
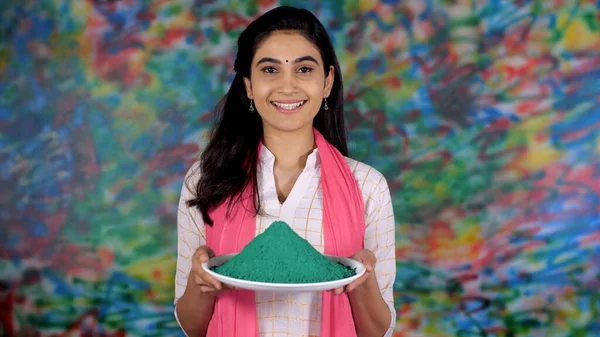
200	277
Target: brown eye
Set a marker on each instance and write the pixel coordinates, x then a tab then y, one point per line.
305	70
269	70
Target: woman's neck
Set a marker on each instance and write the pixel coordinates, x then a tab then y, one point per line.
291	149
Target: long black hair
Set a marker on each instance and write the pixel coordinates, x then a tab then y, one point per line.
229	161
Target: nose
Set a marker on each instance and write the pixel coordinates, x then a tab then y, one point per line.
288	83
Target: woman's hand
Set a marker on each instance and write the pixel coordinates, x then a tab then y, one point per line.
200	277
367	258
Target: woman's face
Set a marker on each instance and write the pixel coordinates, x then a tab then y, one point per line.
287	82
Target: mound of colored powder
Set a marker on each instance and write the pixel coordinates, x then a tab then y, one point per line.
279	255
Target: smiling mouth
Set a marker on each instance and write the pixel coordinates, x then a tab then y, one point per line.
288	105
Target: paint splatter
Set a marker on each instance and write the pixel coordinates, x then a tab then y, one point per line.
483	115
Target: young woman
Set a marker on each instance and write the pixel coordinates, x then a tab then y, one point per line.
278	152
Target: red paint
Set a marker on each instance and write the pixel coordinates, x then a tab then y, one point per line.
593	238
500	124
7	320
172	36
267	3
232	21
170	155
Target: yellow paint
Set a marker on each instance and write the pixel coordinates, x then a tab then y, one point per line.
350	65
537	156
81	8
471	235
454	170
4	56
103	88
562	20
367	5
155	85
407	90
132	110
137	60
433	330
539	153
407	87
419	181
157	29
441	190
159	271
579	37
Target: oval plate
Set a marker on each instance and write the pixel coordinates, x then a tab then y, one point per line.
284	287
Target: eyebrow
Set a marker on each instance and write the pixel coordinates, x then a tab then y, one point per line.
273	60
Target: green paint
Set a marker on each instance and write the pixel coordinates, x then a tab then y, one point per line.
174	9
470	20
591	20
279	255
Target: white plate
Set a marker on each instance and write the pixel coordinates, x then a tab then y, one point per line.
285	287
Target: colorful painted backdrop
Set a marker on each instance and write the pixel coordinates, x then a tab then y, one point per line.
483	115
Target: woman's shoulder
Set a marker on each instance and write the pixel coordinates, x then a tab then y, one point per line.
369	179
191	178
193	171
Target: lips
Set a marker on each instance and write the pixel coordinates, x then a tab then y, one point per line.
288	107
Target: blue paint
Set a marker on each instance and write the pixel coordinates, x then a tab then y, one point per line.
39	229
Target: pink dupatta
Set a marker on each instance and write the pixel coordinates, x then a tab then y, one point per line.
344	229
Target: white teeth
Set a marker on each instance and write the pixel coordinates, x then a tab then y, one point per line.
288	106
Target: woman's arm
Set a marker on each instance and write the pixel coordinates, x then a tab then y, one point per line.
373	301
193	308
371	314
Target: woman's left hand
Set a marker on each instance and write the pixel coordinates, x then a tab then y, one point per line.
367	258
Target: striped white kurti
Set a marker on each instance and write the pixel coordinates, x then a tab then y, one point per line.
298	314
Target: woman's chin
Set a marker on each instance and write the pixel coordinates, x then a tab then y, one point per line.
288	125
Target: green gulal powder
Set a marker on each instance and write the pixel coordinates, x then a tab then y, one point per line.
279	255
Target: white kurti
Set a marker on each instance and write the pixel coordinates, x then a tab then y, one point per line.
298	314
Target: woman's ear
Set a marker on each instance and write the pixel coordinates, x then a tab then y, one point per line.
329	82
248	86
